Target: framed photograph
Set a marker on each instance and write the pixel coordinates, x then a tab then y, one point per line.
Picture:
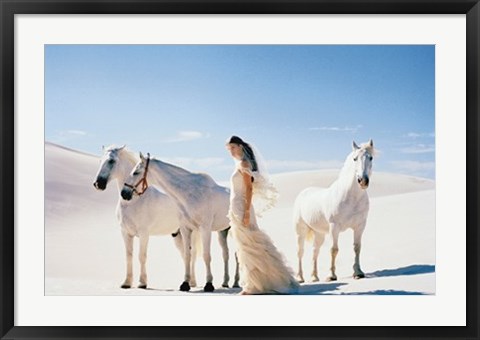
370	107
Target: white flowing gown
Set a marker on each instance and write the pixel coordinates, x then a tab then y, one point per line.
262	266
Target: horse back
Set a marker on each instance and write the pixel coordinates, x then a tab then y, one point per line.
209	208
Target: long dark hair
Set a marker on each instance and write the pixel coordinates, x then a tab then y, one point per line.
248	152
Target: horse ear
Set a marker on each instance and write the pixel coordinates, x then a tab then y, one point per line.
122	147
141	156
355	146
370	143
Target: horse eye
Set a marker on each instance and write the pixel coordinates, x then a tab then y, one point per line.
370	158
355	159
111	161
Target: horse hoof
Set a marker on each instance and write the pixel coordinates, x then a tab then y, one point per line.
142	286
315	279
125	286
331	278
236	285
208	287
225	285
185	287
358	276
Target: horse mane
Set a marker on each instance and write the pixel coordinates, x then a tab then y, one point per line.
180	184
112	148
175	168
132	156
179	172
365	146
369	148
128	155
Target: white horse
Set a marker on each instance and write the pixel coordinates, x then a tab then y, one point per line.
152	214
343	205
203	207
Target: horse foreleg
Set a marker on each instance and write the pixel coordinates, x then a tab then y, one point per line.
207	258
317	243
128	240
222	239
142	257
357	246
187	257
333	253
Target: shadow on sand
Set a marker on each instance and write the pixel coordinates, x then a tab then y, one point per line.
319	288
218	290
386	292
415	269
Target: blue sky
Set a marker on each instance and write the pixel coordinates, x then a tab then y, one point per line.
301	105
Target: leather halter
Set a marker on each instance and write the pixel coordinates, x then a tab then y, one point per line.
143	181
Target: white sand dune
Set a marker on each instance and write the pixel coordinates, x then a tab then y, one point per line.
85	252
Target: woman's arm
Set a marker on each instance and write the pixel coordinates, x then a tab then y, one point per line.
247	179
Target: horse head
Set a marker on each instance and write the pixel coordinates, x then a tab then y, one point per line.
363	159
137	179
108	166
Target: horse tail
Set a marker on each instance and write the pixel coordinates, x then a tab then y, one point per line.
298	222
310	235
303	228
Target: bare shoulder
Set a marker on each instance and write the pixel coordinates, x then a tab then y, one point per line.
245	164
244	168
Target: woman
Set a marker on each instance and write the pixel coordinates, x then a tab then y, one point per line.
263	269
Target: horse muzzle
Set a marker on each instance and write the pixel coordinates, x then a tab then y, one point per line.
100	184
363	182
126	194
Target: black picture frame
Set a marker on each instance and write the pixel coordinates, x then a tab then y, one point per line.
9	8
